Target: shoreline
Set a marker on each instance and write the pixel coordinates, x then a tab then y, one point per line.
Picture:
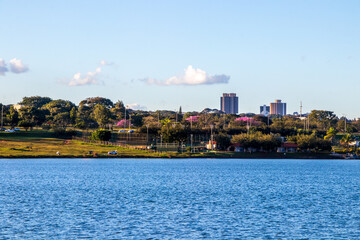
168	156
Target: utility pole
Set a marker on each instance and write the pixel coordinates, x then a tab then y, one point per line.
212	138
125	119
191	140
147	134
224	120
2	116
158	118
129	127
308	123
247	126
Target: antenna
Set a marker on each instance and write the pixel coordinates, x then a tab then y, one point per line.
300	108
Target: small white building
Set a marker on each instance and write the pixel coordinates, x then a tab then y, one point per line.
210	145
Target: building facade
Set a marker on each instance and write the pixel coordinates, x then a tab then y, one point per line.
264	110
278	108
229	103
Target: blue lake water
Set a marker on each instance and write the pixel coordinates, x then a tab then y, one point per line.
179	199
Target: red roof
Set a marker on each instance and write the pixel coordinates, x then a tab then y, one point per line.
237	145
289	145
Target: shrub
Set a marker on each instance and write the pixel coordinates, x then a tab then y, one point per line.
63	133
101	135
222	141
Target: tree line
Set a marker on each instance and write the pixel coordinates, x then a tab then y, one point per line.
175	126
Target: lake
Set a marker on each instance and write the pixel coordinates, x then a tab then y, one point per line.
179	199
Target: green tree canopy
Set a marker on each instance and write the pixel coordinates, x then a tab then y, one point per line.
91	102
102	115
35	101
325	118
12	117
101	135
330	134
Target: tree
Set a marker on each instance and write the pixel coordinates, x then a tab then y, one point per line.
12	117
59	106
35	101
311	142
102	115
262	119
62	119
26	124
101	135
222	141
330	134
173	133
257	140
32	116
73	115
93	101
59	112
166	130
346	140
324	118
118	110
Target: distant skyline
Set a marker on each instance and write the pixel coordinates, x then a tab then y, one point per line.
166	54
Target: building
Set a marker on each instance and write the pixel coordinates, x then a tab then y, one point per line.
287	147
229	103
17	106
264	110
278	108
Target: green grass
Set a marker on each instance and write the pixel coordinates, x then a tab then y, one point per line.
35	134
41	143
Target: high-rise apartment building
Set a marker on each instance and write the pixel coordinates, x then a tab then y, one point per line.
278	108
229	103
264	110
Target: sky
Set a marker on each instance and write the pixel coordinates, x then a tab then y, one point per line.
166	54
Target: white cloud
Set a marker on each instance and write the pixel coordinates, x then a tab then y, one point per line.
135	106
17	66
3	67
105	63
90	78
191	76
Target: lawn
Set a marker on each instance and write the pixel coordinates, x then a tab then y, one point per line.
43	144
40	143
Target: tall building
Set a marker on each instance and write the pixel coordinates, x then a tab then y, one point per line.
264	110
229	103
278	108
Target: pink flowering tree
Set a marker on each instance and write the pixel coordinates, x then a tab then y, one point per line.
123	123
193	118
245	120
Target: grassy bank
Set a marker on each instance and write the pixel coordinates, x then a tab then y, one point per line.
40	144
43	144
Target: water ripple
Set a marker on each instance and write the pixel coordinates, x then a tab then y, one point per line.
179	199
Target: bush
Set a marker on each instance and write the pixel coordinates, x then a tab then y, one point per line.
101	135
309	142
46	127
62	133
257	140
26	124
222	141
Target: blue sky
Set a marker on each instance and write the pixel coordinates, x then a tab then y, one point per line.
163	54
